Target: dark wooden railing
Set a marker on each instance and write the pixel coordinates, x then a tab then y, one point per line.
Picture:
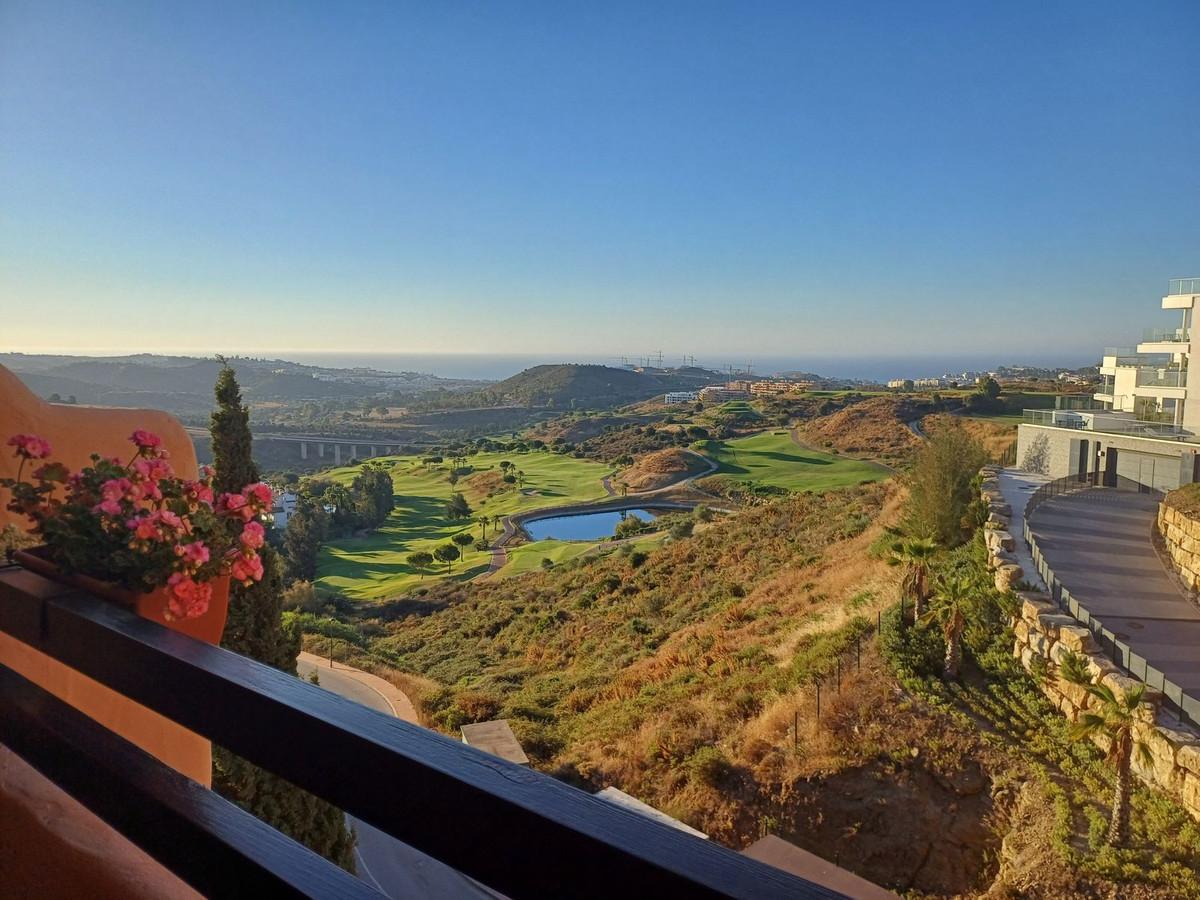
516	830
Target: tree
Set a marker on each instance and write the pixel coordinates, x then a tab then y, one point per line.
483	524
950	607
307	529
939	485
1114	717
255	628
457	507
909	386
421	560
916	556
989	387
464	540
446	553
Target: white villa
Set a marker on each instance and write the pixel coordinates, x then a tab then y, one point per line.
1141	424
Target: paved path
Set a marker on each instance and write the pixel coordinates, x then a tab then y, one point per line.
1017	487
1098	542
389	865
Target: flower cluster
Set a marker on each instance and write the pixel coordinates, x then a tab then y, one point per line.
139	525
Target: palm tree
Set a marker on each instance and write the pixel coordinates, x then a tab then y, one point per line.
950	606
916	555
1114	716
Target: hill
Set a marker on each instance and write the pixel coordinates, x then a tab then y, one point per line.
561	385
659	469
592	385
876	428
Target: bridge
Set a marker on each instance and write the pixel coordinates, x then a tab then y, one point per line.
333	445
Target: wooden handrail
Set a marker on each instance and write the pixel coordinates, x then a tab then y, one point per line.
513	829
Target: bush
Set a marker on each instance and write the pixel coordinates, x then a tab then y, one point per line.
939	485
709	766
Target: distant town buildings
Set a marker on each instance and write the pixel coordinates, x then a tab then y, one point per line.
673	398
761	388
740	389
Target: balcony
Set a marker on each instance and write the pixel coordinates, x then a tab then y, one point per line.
512	829
1149	376
1166	335
1178	286
1107	422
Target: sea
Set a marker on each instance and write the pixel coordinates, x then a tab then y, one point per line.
498	366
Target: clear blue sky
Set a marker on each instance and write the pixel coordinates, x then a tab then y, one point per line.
709	178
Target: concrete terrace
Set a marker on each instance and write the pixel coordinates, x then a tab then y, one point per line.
1098	542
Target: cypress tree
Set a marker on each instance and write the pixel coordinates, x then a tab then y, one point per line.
255	629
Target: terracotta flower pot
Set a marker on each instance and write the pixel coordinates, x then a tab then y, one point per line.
207	628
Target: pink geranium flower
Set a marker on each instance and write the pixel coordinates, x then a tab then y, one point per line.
246	569
145	440
197	492
30	446
261	493
187	599
144	528
195	553
253	535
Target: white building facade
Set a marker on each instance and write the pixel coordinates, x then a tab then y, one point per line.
1142	425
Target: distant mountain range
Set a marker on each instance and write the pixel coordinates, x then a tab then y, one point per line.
184	385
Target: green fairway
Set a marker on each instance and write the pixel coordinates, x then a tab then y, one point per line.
773	459
376	566
528	557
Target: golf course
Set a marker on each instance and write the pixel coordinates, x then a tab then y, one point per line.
376	566
773	459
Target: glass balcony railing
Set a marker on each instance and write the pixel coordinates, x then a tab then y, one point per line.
1106	424
1151	377
1178	286
1166	335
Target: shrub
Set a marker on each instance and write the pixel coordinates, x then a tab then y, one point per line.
709	766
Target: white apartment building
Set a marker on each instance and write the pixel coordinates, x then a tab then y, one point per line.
673	398
712	394
283	508
1142	424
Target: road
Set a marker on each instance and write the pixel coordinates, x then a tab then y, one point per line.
387	864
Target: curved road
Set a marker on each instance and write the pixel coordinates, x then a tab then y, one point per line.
387	864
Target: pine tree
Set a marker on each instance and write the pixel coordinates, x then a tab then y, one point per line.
255	629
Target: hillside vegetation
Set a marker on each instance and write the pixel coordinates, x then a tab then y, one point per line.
873	428
659	469
589	385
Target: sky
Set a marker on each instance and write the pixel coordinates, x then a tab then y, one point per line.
1016	179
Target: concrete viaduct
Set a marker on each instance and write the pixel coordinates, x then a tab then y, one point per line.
328	447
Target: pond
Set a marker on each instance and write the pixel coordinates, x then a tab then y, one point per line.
583	526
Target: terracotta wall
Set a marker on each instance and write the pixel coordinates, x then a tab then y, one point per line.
74	433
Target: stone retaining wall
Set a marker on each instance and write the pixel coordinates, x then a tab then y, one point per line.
1181	535
1044	636
999	539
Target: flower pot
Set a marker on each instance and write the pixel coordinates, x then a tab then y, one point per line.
151	605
